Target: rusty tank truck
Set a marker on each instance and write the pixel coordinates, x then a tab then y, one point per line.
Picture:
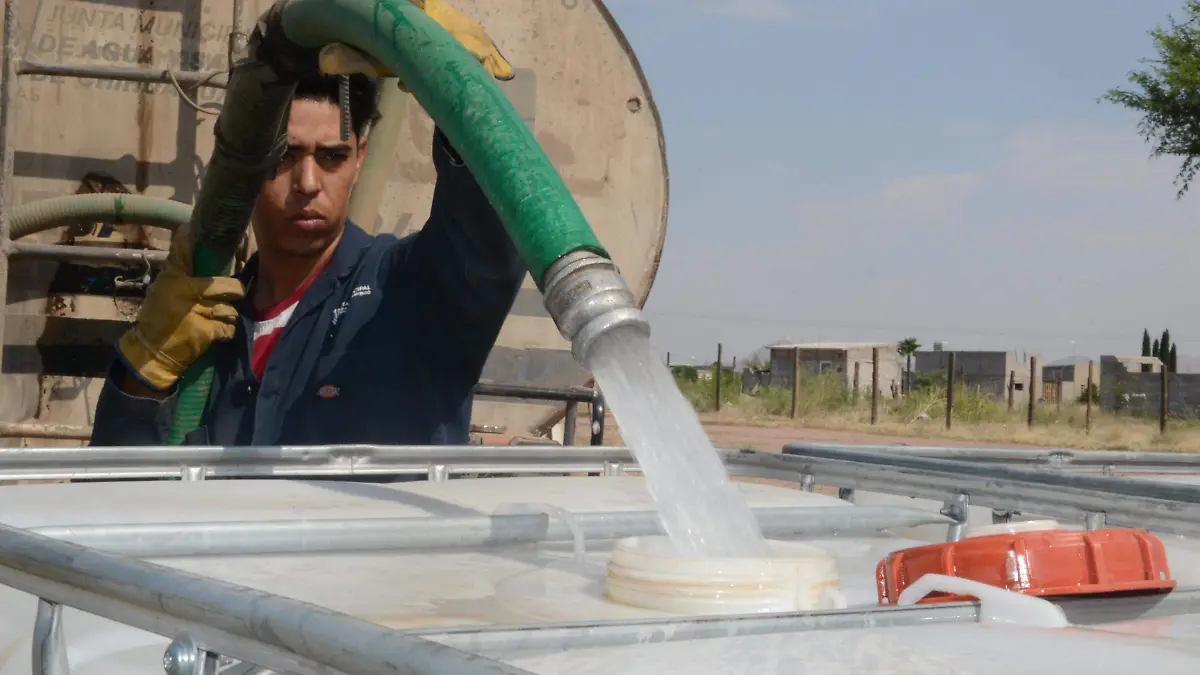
120	96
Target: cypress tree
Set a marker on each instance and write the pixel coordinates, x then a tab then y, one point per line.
1146	343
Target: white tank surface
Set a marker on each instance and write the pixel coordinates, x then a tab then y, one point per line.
483	599
426	589
946	650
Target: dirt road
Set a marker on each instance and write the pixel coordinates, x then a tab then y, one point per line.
760	438
774	438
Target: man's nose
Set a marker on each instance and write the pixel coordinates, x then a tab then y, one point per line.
305	177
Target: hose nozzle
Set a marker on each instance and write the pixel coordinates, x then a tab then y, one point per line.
587	297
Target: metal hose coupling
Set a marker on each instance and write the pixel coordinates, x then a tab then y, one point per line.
587	297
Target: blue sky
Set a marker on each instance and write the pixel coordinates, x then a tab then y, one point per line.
853	170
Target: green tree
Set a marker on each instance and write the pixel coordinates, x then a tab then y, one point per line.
1155	352
1146	348
1174	360
906	348
1167	94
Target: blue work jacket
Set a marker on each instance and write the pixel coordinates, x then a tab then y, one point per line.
385	346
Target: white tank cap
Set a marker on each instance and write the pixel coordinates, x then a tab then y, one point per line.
1012	527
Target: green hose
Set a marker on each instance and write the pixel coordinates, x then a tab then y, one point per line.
251	134
540	215
118	209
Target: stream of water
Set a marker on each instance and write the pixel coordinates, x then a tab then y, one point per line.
701	509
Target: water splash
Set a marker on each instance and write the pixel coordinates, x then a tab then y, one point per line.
701	510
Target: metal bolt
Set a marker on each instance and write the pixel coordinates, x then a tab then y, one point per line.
808	482
180	657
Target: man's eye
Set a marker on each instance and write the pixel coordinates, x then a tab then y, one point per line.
334	157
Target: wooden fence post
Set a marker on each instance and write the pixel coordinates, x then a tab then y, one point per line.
1164	403
950	391
874	385
1012	387
795	381
1088	416
856	369
717	375
1032	389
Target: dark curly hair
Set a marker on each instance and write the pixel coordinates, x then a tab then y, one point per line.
364	97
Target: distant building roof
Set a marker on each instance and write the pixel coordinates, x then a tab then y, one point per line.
1069	361
834	345
1145	360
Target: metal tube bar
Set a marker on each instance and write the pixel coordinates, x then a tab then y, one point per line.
1054	479
570	419
189	78
956	510
235	33
40	430
157	540
277	633
83	463
20	249
599	411
70	432
1059	458
576	394
6	150
1082	611
1167	507
49	647
572	636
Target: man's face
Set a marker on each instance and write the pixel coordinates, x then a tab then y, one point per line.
302	210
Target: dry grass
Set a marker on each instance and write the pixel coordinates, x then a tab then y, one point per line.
977	419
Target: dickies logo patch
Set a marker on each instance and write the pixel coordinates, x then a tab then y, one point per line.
329	391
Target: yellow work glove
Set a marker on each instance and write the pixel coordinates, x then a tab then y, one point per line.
181	317
339	59
470	34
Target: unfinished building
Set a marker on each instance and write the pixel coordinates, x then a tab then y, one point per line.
817	358
989	371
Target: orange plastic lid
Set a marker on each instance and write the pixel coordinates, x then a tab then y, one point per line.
1044	563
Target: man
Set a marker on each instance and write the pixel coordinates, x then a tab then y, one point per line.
329	335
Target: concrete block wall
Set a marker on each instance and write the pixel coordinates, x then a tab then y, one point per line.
987	370
842	361
1141	393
